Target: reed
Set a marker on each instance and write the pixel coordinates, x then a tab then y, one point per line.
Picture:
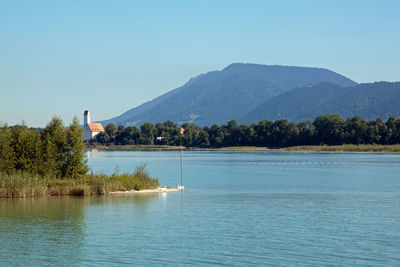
20	185
348	148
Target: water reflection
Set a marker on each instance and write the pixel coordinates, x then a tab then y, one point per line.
46	229
50	230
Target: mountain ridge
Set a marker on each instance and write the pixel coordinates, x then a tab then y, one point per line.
368	100
219	96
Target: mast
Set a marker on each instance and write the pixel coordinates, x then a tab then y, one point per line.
181	169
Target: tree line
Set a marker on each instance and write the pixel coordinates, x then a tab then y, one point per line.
55	151
329	129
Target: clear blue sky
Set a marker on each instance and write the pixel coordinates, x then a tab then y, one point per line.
61	57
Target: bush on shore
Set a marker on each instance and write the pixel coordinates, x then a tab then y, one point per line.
52	162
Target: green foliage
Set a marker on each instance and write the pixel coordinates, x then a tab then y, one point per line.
330	129
55	152
26	146
75	161
52	163
7	155
54	141
356	129
111	129
147	133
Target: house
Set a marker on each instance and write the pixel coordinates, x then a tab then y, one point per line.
90	129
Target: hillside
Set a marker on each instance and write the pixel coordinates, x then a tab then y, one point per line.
219	96
370	101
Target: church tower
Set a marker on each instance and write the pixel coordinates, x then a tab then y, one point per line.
90	129
86	117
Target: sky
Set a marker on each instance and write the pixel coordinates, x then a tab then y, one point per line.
62	57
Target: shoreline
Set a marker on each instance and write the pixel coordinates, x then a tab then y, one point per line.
323	148
135	147
159	190
145	191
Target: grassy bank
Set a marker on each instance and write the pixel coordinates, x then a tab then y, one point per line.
343	148
347	148
20	185
244	148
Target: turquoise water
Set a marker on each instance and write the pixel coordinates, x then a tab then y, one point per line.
238	209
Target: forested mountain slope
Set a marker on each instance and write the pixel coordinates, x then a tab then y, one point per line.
369	100
219	96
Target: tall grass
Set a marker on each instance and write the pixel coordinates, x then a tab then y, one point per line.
22	184
348	148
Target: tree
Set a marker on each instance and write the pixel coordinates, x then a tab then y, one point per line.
147	137
54	147
248	135
102	138
216	136
262	133
330	129
202	139
284	133
356	130
306	133
26	146
75	163
393	132
111	130
7	155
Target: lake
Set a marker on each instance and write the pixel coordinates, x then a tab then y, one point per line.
238	209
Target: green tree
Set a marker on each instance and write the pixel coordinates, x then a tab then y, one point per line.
75	165
102	138
306	133
147	136
330	129
7	155
111	131
356	130
392	131
284	133
262	133
216	136
54	147
26	145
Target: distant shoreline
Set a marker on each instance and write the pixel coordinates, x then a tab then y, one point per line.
134	147
346	148
324	148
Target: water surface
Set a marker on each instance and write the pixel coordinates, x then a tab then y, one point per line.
238	209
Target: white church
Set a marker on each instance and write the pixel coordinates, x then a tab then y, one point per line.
90	129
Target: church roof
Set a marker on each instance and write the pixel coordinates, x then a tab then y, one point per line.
95	127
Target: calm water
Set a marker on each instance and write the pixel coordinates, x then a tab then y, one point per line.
239	209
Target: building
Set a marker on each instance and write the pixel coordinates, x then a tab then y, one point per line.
90	129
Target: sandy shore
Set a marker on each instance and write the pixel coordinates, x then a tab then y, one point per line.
147	191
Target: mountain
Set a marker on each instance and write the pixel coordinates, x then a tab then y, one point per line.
369	100
219	96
